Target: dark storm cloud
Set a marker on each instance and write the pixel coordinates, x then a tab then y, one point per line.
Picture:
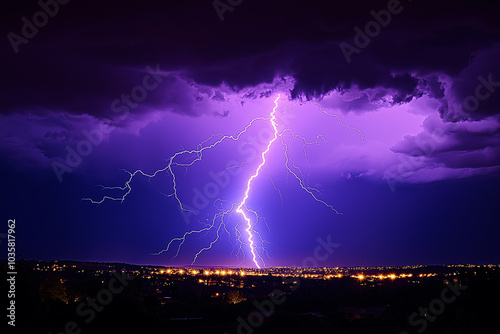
463	145
433	87
218	96
91	52
475	92
479	138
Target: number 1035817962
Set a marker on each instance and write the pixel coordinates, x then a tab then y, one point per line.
11	244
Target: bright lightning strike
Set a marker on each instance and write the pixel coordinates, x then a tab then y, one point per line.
242	204
219	222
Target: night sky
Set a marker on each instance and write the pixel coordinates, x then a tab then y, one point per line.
387	130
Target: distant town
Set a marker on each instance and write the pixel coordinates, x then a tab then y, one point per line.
93	297
413	274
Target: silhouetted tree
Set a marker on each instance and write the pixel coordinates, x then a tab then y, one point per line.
235	297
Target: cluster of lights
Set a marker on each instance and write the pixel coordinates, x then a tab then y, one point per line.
299	272
427	275
205	272
362	277
225	272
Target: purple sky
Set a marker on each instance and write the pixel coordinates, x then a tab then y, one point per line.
409	126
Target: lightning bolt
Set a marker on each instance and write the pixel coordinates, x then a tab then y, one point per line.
198	153
226	208
249	182
341	123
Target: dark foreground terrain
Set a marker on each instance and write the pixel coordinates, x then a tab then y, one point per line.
77	297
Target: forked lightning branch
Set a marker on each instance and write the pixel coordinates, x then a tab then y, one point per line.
245	233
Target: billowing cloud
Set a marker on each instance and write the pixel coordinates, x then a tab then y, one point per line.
147	61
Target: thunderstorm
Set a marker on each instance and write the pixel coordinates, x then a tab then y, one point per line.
252	240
